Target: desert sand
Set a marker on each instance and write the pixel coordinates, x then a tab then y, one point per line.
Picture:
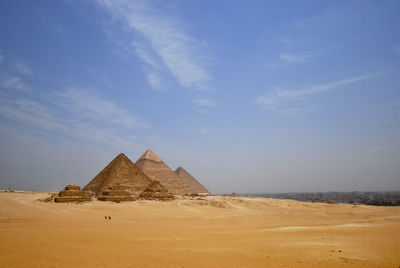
215	232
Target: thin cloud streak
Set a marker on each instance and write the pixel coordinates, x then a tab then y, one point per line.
205	103
301	23
293	100
323	87
155	81
145	56
22	68
293	58
29	112
14	82
286	40
35	115
89	105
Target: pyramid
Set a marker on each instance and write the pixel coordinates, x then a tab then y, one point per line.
192	182
155	191
152	165
121	174
71	193
116	193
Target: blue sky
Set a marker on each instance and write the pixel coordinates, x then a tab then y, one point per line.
248	96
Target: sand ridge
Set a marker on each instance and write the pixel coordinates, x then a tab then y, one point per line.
209	232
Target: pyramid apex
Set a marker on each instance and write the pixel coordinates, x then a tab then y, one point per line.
120	157
150	155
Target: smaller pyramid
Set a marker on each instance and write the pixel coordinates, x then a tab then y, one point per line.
153	166
116	193
155	191
191	181
120	176
71	193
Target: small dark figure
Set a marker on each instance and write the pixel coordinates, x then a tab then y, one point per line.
109	217
105	217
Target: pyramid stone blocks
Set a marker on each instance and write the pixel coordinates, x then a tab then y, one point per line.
152	165
191	181
118	179
71	193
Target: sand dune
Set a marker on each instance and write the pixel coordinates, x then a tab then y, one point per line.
213	232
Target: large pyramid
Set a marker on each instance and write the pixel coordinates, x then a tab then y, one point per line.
120	173
152	165
192	182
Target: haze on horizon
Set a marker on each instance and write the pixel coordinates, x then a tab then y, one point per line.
249	97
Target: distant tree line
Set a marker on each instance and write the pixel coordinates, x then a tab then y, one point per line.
367	198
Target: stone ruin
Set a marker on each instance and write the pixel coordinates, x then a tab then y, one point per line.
71	193
155	191
116	193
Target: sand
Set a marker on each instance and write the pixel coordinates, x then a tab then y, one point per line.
215	232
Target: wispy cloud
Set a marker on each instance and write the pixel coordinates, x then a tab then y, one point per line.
1	57
13	82
396	50
89	105
145	55
285	59
293	58
89	118
203	130
35	115
74	113
155	81
175	48
301	23
204	103
293	100
286	40
29	112
56	28
22	68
